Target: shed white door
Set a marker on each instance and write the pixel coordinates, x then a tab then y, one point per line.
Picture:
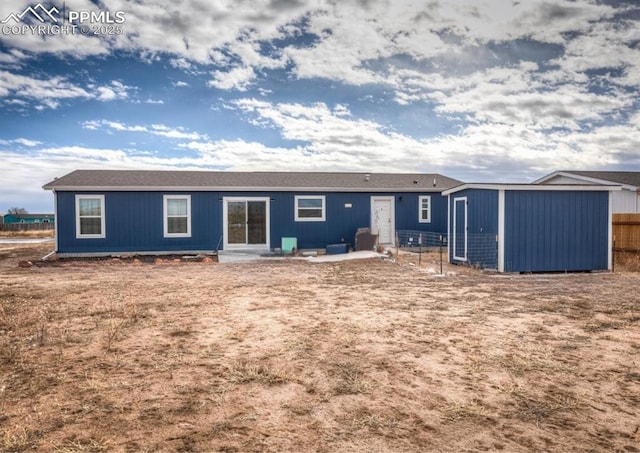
460	229
382	219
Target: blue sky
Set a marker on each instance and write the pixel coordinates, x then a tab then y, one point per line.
487	90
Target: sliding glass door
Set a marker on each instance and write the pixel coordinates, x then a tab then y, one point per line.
246	222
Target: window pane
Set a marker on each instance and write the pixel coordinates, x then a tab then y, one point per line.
310	213
90	207
177	225
425	208
176	206
90	225
310	203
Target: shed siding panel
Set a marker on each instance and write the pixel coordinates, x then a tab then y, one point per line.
556	231
482	224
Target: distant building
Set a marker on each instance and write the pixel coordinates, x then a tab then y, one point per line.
27	218
625	201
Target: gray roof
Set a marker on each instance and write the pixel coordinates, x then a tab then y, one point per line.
628	178
631	178
252	181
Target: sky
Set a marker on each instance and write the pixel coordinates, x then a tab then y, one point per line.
478	90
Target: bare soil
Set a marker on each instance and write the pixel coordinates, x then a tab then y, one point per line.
359	356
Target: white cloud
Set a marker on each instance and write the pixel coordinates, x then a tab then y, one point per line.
161	130
20	141
48	93
27	142
237	78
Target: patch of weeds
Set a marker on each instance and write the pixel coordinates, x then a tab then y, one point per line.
598	325
84	446
352	380
8	320
476	363
364	418
531	359
180	333
238	335
456	411
245	372
19	440
302	408
540	407
12	354
219	427
113	331
300	344
191	405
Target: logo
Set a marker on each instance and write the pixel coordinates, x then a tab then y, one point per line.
33	11
42	20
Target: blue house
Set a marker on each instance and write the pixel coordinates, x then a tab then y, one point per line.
531	228
104	212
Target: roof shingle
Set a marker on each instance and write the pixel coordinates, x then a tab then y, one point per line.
223	180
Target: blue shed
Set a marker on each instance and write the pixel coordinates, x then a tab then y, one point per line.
531	228
104	212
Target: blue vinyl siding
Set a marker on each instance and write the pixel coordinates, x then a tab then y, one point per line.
134	220
482	227
556	231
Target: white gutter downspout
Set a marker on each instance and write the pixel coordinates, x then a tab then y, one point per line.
501	230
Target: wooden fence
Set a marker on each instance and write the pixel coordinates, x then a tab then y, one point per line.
626	232
26	226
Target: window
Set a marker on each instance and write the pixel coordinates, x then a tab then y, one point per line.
90	216
424	209
177	216
310	208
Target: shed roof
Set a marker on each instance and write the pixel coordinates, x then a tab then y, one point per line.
628	178
252	181
532	187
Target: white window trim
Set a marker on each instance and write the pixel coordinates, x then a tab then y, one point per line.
323	218
165	217
420	219
102	234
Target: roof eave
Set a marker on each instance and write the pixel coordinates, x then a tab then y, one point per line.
534	187
236	189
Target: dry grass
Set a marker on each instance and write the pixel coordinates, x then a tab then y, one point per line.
288	356
30	234
628	261
245	372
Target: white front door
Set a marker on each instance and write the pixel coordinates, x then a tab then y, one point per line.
382	219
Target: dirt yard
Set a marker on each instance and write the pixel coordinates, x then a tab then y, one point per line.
360	356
